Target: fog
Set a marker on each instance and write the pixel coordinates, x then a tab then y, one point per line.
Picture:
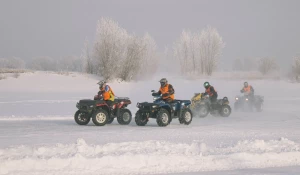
58	28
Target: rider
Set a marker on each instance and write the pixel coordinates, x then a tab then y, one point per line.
106	92
248	89
211	92
166	90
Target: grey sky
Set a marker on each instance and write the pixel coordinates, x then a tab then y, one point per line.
58	28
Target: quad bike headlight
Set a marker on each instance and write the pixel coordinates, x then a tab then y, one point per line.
236	98
154	106
247	99
182	104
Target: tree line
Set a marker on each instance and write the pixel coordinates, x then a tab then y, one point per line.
116	53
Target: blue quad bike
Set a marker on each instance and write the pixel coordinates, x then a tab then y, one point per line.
163	112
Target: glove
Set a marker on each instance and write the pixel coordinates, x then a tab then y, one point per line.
165	95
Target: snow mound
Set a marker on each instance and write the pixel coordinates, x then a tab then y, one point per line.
147	157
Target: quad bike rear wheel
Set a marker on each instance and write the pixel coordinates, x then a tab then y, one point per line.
100	117
225	111
203	111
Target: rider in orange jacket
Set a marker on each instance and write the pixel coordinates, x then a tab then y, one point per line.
166	91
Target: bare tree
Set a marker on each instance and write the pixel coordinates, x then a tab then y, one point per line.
132	61
199	52
211	45
182	51
109	47
87	60
266	65
117	54
149	57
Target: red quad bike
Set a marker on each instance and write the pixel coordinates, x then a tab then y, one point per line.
101	113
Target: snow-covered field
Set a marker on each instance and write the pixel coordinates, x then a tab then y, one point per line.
39	136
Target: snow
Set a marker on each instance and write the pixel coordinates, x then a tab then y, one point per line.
39	136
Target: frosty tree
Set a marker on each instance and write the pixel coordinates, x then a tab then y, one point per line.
182	51
109	47
149	60
266	65
296	67
133	58
43	63
117	54
87	60
199	52
210	45
12	63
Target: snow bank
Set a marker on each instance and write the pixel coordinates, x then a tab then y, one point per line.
147	157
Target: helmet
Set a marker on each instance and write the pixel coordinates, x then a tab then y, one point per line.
246	84
206	85
163	82
101	83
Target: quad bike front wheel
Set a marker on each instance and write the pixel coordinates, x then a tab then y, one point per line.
186	116
140	120
81	118
225	111
125	117
100	117
163	117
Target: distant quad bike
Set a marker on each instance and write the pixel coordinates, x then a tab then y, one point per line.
247	103
101	113
163	112
202	106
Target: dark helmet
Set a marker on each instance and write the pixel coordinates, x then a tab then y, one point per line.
163	82
206	85
101	83
246	84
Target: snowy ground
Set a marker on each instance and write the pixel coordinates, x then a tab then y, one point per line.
39	136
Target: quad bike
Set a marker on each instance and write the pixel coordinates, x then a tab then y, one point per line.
202	106
101	113
163	112
248	103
